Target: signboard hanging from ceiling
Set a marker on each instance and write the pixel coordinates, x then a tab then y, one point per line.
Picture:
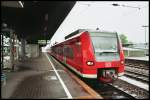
43	42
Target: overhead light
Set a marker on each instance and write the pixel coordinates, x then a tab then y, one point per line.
21	4
115	4
145	26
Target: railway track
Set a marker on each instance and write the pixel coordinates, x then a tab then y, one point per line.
118	90
140	64
137	76
107	90
137	69
130	89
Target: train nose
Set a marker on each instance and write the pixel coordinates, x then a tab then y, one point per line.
108	76
114	77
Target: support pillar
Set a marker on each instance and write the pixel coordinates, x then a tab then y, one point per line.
12	50
22	49
16	47
2	51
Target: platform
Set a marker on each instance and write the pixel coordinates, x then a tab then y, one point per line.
146	58
41	78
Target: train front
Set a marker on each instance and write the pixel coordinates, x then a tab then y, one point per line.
109	56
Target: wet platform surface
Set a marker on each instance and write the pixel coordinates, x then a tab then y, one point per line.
35	78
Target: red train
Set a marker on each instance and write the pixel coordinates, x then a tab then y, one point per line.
92	54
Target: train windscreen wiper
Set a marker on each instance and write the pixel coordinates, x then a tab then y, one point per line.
106	51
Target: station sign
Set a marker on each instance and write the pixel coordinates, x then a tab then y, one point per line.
43	42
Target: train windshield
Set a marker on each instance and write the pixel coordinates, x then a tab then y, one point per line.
105	46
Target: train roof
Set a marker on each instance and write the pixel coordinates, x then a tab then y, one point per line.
79	32
83	30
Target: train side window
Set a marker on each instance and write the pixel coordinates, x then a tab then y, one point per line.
61	51
71	55
68	52
65	51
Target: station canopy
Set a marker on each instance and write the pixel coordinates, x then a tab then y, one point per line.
36	20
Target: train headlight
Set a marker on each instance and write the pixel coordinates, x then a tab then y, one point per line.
122	62
90	63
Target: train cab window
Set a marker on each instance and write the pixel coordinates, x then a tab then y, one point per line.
105	46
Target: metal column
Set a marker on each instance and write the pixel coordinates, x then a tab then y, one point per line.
17	47
2	52
12	50
22	49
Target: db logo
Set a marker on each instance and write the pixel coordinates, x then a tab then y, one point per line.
108	64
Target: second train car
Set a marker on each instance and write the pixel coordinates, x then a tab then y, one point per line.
92	54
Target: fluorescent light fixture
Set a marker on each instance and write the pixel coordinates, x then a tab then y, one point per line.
21	4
